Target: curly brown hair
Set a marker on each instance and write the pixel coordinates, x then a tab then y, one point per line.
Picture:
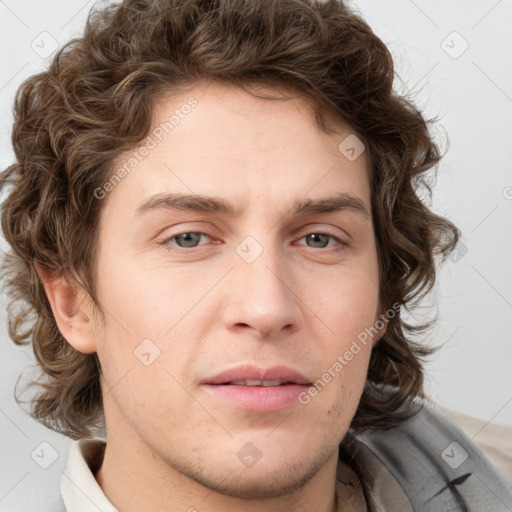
95	101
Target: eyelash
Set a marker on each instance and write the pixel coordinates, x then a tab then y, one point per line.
175	248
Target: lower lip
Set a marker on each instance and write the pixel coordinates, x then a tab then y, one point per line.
258	398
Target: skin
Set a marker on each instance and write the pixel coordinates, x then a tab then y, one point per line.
170	444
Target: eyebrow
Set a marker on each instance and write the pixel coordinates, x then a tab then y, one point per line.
218	205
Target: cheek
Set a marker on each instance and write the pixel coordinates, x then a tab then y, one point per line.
349	309
348	302
140	302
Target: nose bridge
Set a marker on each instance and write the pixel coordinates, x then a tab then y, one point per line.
261	296
260	265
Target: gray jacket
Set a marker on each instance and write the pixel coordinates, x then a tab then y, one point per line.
436	465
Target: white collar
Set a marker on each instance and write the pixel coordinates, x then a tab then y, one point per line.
79	489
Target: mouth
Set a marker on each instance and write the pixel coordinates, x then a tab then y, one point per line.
257	389
265	383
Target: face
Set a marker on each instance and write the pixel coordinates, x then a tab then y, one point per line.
219	319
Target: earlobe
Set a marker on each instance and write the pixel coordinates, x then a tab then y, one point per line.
71	309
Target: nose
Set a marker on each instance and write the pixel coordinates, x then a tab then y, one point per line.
260	296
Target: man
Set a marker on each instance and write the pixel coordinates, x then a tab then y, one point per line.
215	231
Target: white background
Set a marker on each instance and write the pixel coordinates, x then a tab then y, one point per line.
471	94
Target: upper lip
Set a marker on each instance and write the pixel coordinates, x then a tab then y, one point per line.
249	372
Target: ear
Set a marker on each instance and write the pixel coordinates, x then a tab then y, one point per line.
71	309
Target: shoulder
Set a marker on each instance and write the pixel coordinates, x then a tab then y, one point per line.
438	465
493	439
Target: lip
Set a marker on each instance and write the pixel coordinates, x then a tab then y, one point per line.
258	398
249	372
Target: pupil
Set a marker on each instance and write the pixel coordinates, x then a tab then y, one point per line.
315	236
189	238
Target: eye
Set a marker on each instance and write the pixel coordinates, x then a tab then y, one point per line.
188	240
192	239
321	240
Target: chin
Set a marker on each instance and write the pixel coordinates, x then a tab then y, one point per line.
267	478
252	484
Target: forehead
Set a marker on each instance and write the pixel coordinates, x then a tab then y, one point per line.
217	139
255	116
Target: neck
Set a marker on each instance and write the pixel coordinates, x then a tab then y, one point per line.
134	478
